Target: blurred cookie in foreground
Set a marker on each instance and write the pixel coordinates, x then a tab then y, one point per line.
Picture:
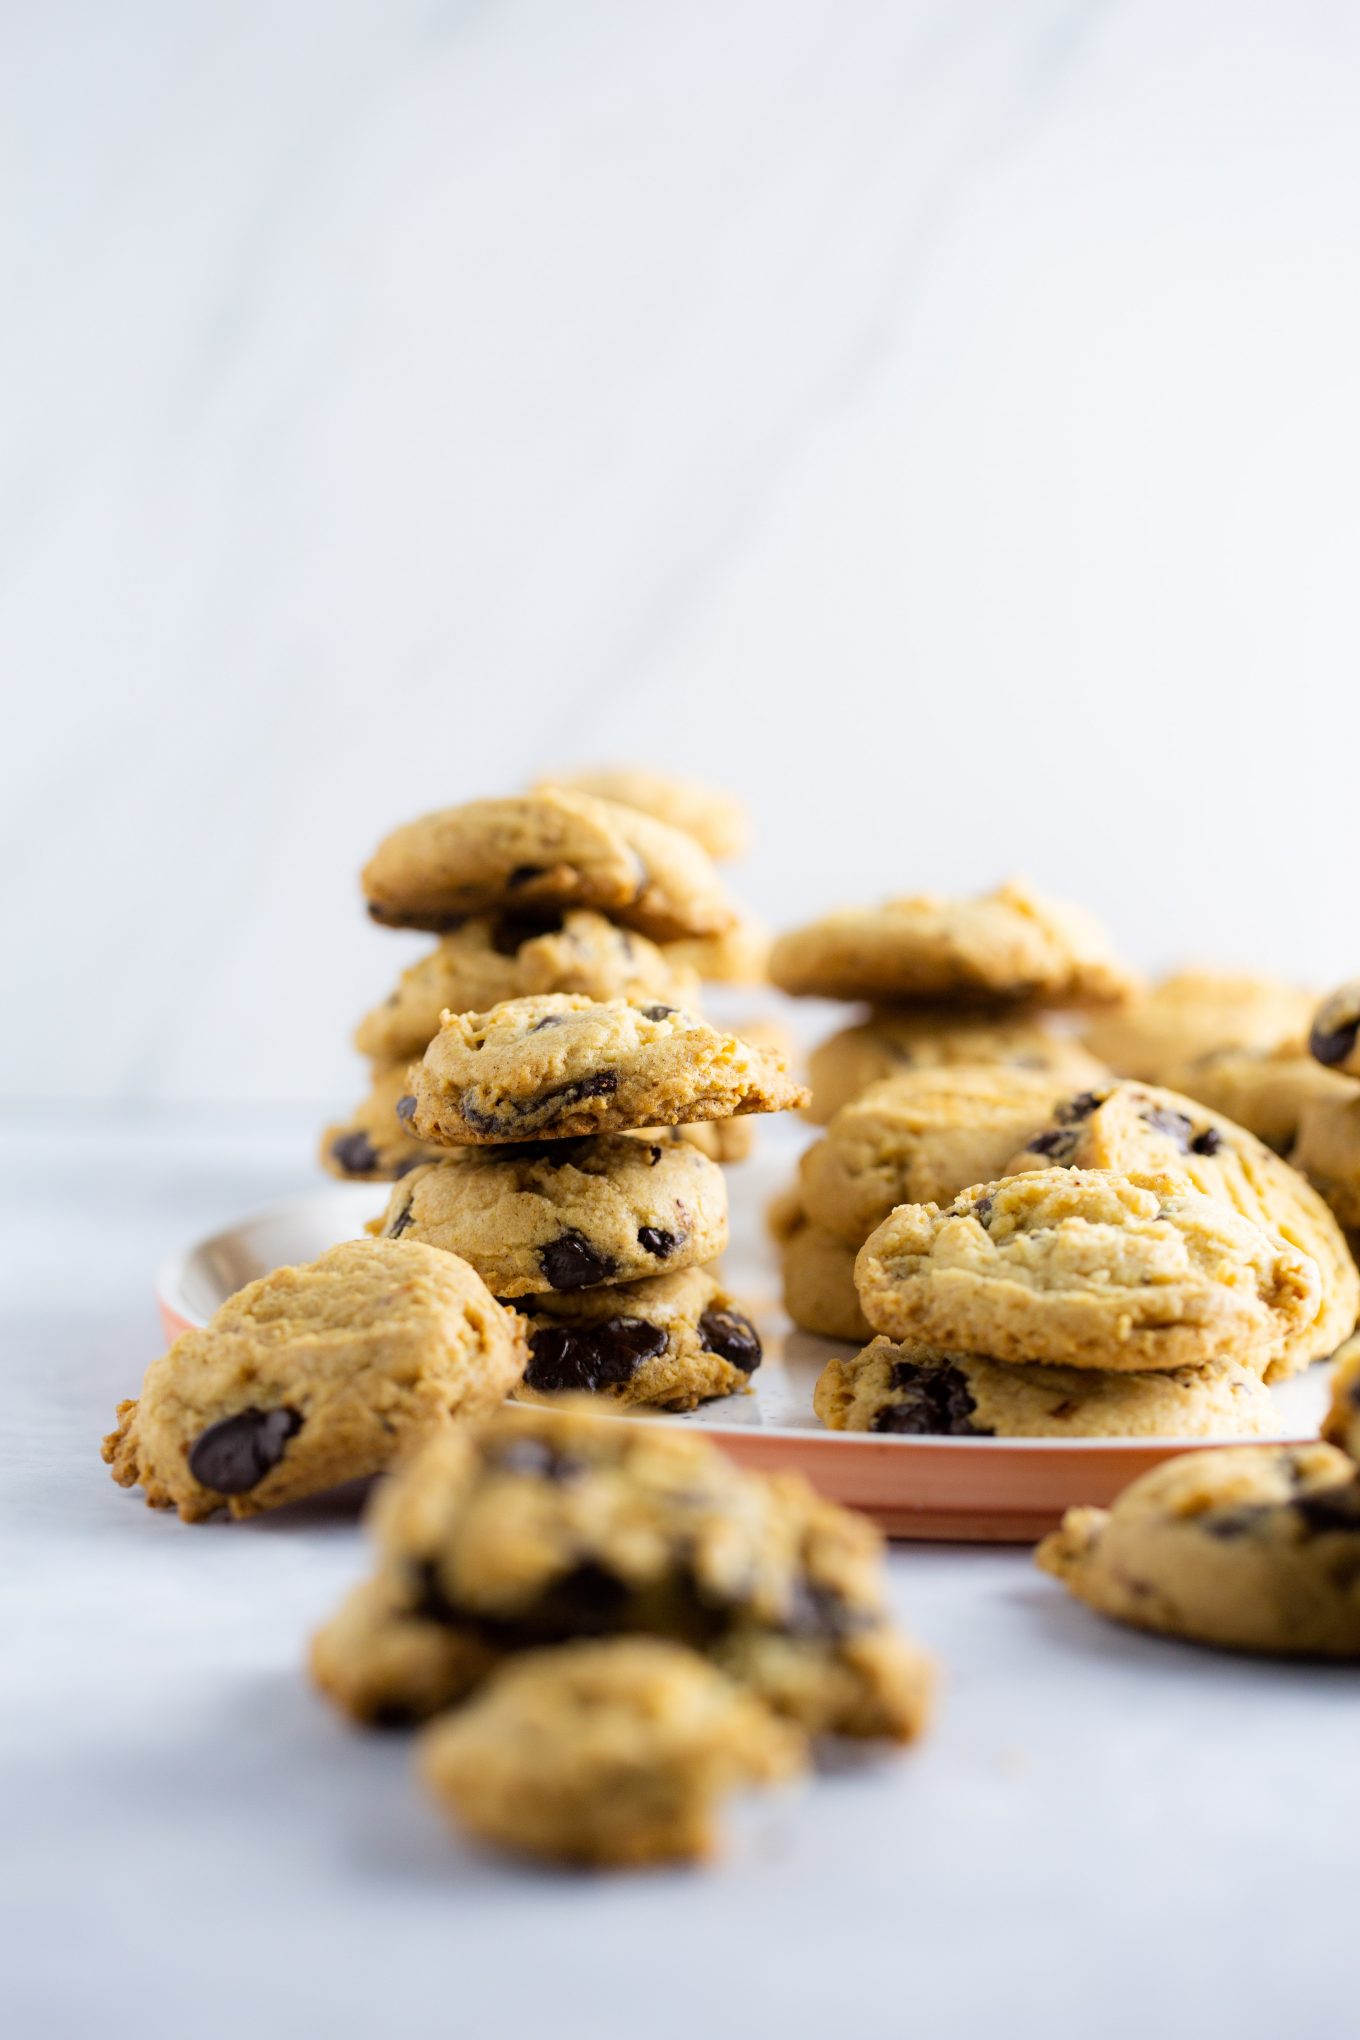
1012	945
605	1754
1250	1548
714	818
1192	1013
890	1044
919	1392
313	1376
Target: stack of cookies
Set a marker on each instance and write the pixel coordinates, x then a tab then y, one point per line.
558	890
953	986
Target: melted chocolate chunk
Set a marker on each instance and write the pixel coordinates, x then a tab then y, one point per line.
1057	1144
1333	1508
654	1239
1174	1125
1331	1045
1207	1143
406	1108
234	1456
660	1012
732	1337
510	931
1080	1107
548	1020
523	874
589	1356
982	1211
571	1262
931	1402
355	1154
404	1218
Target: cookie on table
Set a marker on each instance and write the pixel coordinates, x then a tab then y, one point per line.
1087	1268
555	1067
605	1754
1193	1012
545	849
919	1139
1267	1090
1141	1129
541	1526
1327	1151
920	1392
1011	945
714	818
737	955
669	1343
1341	1427
372	1145
566	1214
1334	1030
817	1272
516	955
313	1376
1252	1548
890	1044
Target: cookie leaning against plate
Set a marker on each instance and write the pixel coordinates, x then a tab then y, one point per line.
372	1145
1254	1548
1140	1129
494	957
919	1139
612	1753
568	1213
315	1375
890	1044
552	1068
716	819
1193	1012
669	1343
1086	1268
545	849
918	1392
1011	945
541	1525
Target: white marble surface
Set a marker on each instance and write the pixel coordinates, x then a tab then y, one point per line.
1105	1835
938	417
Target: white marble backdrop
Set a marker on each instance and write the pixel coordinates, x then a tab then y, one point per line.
939	418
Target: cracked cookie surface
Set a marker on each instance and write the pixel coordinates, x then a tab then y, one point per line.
1086	1268
1012	945
545	849
495	957
553	1068
919	1392
315	1375
668	1343
890	1044
1253	1548
566	1214
1141	1129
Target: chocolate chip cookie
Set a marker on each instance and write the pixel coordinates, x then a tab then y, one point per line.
1192	1013
542	1526
1327	1150
553	1068
1341	1426
315	1375
1266	1090
817	1270
1087	1268
373	1145
1334	1030
605	1754
566	1214
919	1138
920	1392
550	849
1253	1548
890	1044
1139	1129
716	819
1012	945
669	1343
517	955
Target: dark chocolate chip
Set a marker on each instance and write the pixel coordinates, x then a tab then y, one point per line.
817	1610
571	1262
1207	1143
524	873
659	1012
1080	1107
1332	1045
404	1218
590	1356
732	1337
654	1239
1056	1144
930	1402
355	1154
406	1108
234	1456
509	932
1333	1508
655	1154
548	1020
1174	1125
982	1211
